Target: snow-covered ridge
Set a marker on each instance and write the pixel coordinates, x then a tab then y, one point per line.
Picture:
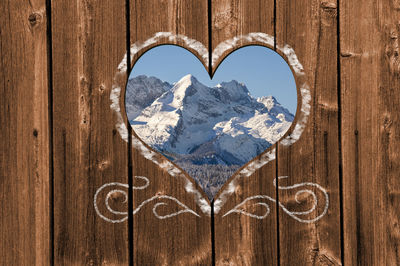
195	125
141	91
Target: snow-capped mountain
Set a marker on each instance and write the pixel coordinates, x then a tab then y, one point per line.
196	125
141	91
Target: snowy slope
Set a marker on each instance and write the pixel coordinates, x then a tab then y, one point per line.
220	125
209	132
141	92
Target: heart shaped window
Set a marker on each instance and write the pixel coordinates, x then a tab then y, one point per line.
210	127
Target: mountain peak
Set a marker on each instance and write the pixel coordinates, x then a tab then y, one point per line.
236	84
236	90
268	101
189	78
187	86
233	81
140	77
265	98
185	82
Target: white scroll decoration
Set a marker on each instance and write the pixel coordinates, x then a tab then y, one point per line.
297	215
120	188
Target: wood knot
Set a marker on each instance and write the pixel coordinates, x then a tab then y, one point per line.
346	54
238	191
91	260
35	133
329	6
102	88
117	197
83	82
387	122
34	19
225	20
323	257
396	4
103	165
392	50
393	34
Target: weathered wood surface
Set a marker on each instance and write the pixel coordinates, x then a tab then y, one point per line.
310	28
89	41
370	93
184	239
353	123
24	134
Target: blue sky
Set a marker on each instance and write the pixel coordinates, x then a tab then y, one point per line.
262	70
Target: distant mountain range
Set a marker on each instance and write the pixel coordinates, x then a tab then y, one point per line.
209	132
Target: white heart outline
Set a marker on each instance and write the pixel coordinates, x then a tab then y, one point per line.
219	51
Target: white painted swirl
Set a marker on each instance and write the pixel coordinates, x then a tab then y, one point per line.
294	214
109	194
122	190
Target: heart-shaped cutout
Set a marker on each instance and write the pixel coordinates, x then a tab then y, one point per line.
210	127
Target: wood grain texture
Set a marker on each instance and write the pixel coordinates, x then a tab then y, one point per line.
234	18
183	17
369	33
184	239
239	239
244	240
310	28
89	41
24	134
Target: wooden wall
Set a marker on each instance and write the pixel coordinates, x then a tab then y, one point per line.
64	150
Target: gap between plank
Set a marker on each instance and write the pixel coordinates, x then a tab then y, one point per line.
212	234
210	70
50	132
339	100
275	25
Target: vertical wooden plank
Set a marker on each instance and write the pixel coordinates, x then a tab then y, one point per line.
369	33
245	240
89	41
24	134
181	239
241	239
310	28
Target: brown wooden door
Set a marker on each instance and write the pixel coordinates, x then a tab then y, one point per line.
80	187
